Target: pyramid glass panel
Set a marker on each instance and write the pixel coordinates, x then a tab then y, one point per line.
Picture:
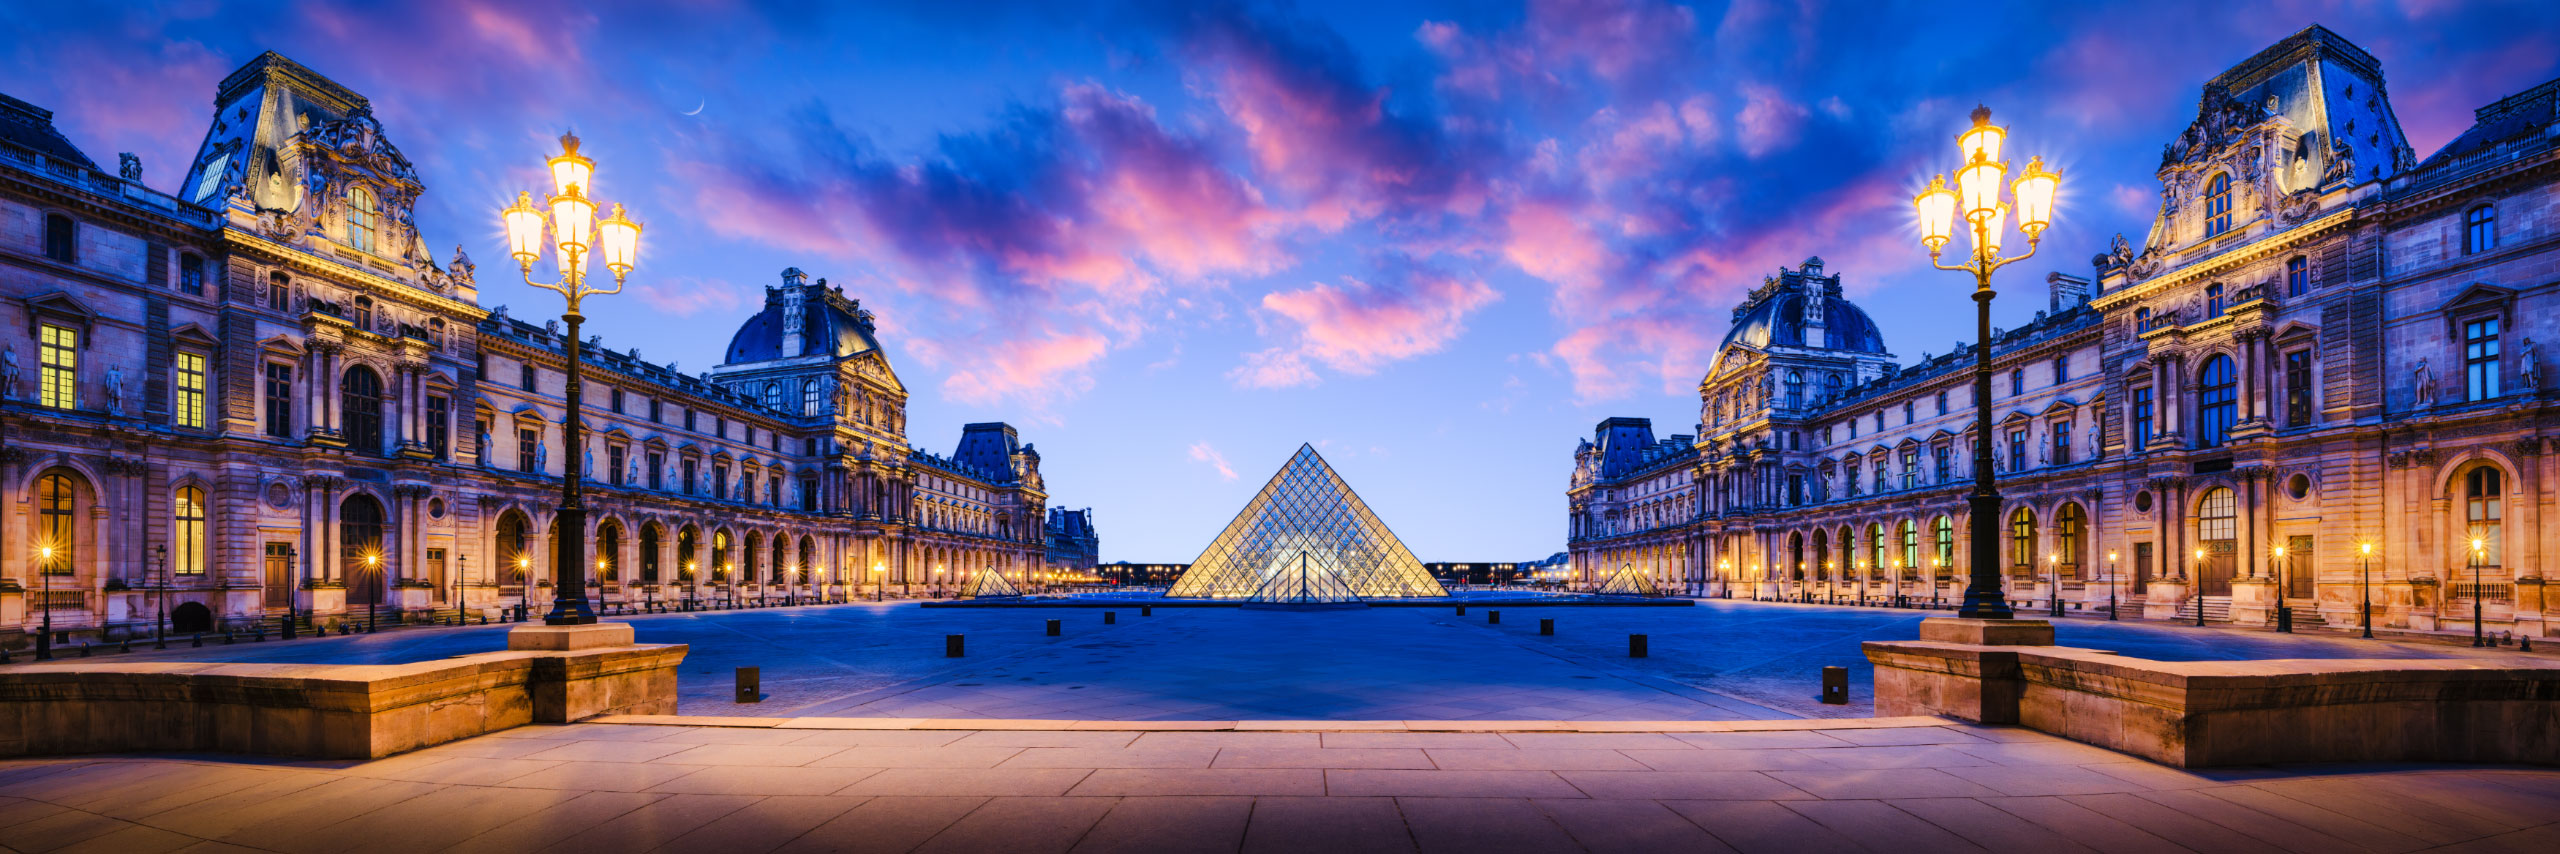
1308	525
1626	582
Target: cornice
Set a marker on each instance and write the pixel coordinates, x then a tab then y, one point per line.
279	254
2225	261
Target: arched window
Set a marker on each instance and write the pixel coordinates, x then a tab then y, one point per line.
360	552
2217	205
608	550
1910	548
1795	556
722	567
363	218
514	562
2022	543
811	403
773	395
57	534
1795	389
2484	513
2216	403
688	548
755	556
809	558
781	558
1822	552
61	242
1875	549
2069	526
649	554
1946	558
1830	386
360	400
2480	230
186	539
2217	535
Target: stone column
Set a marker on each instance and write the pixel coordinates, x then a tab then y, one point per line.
2246	359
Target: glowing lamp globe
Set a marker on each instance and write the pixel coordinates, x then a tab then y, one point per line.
2034	193
571	169
619	238
1937	206
524	230
1983	140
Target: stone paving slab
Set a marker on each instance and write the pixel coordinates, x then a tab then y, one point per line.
1903	786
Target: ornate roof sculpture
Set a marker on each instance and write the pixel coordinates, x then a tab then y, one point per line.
1304	534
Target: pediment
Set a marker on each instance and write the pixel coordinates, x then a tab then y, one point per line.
2061	406
2479	296
2294	330
194	334
284	344
59	305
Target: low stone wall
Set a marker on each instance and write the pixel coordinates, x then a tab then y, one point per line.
322	711
2213	713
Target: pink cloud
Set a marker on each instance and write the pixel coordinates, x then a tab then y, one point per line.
1623	43
686	297
1355	327
1203	452
1032	367
1768	120
1276	367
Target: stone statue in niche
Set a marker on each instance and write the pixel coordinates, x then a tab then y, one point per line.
9	373
632	472
482	450
129	166
2529	368
2342	163
541	458
115	389
2426	385
589	469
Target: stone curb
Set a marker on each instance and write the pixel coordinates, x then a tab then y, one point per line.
1271	726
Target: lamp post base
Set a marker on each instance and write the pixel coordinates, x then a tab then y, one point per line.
1981	632
564	638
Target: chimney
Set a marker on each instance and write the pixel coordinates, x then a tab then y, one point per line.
2069	292
794	303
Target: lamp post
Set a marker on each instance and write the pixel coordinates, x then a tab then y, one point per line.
373	597
524	586
2478	551
2053	582
461	578
2111	586
604	566
937	582
685	579
1937	581
879	583
44	576
2364	584
160	615
2197	577
730	577
574	231
1976	199
2284	585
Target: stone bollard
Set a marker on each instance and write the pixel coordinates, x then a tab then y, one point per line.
1462	610
226	637
1637	646
750	685
1053	628
4	655
1110	617
953	646
1546	625
84	649
1146	610
1493	618
199	640
1835	685
258	634
128	645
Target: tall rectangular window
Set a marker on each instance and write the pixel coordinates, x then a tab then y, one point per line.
617	401
1945	462
279	292
1853	480
2480	359
1942	403
809	494
2017	381
1911	469
719	481
188	556
613	465
2062	443
688	419
2141	419
687	470
2297	388
2061	369
657	471
58	367
657	412
2017	450
2297	276
190	402
279	400
528	444
525	376
439	428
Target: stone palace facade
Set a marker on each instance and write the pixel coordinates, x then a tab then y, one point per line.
261	396
2324	345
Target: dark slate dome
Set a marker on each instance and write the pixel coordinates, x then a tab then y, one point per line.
829	325
1779	322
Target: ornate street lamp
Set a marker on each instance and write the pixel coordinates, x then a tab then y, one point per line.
160	616
44	574
1976	201
575	234
2364	583
524	586
2284	585
2053	583
373	598
879	583
2197	578
2111	586
461	596
2479	553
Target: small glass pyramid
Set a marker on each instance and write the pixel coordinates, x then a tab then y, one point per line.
1626	582
1306	534
989	584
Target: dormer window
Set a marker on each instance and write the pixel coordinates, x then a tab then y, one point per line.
2480	230
364	218
2217	205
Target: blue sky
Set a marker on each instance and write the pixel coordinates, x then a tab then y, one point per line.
1172	241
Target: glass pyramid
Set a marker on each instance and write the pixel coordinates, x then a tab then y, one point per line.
1626	582
1303	583
1308	527
989	584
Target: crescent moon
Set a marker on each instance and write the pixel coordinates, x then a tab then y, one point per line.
697	108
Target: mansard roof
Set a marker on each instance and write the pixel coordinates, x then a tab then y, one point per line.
2524	118
31	127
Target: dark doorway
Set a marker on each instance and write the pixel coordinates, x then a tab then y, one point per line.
190	618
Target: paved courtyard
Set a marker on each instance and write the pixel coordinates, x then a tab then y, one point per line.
803	787
1717	661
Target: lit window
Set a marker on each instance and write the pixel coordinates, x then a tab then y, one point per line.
2480	359
2068	528
191	389
363	218
2217	205
189	536
2022	542
2483	507
55	529
58	367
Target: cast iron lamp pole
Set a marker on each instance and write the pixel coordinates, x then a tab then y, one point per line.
2111	586
373	599
2053	586
2197	578
2364	584
2284	585
574	231
524	586
44	576
1977	199
2478	637
160	617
